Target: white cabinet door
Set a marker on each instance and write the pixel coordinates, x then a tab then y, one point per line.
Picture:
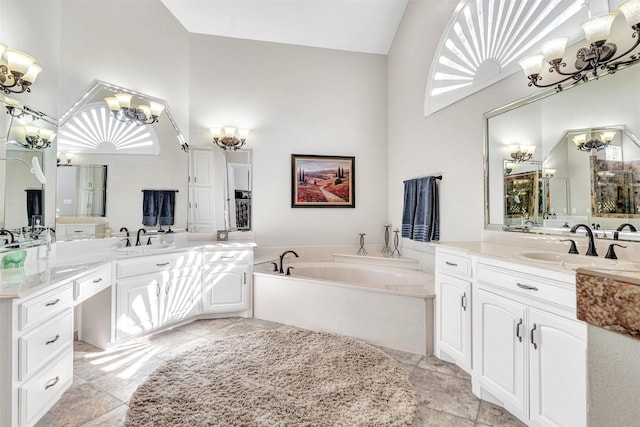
181	297
202	208
202	190
202	164
226	287
500	349
453	312
138	303
557	369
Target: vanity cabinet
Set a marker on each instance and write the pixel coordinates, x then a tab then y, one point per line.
453	307
529	351
202	190
156	290
226	281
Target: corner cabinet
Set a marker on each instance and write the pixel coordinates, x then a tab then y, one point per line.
226	280
453	308
529	351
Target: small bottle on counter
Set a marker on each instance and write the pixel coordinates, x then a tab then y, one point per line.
168	236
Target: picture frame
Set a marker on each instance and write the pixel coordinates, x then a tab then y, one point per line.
322	181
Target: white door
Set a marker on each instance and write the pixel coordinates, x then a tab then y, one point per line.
454	315
225	288
181	297
558	370
138	300
499	349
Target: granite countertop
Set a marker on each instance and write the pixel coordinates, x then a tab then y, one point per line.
68	265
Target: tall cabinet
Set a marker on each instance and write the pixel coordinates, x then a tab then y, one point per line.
202	191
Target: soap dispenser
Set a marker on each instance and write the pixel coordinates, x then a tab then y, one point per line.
168	236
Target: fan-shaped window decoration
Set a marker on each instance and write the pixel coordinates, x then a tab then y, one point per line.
485	38
94	130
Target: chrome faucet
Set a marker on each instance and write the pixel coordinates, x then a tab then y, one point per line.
616	234
591	250
282	258
138	236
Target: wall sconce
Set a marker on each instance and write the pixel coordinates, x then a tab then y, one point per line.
121	109
64	159
34	137
548	173
229	138
522	153
583	144
18	70
600	55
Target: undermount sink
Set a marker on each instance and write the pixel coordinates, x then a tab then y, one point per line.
573	261
131	250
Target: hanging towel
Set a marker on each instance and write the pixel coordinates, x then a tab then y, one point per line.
34	204
409	207
149	208
166	206
426	225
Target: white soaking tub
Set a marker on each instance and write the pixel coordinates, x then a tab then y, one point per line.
387	306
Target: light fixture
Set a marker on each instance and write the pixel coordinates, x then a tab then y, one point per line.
18	71
122	110
522	153
229	138
599	56
509	167
64	159
548	173
597	144
34	137
34	168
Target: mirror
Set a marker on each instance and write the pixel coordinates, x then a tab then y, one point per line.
536	139
25	133
238	190
137	156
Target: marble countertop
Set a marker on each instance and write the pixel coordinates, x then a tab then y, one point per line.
73	261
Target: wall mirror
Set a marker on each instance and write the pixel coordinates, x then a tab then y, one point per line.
580	153
138	156
25	209
238	189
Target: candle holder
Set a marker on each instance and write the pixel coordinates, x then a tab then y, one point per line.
362	250
396	242
386	250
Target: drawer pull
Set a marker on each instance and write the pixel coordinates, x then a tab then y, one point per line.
452	264
226	257
527	287
463	301
518	330
98	280
163	264
535	346
53	340
49	304
51	384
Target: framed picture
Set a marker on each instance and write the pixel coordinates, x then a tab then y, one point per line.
322	181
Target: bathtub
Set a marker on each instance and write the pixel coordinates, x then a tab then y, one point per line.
384	305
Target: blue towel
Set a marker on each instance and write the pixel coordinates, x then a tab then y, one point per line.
420	212
166	206
149	208
409	208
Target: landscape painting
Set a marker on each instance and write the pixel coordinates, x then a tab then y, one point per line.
322	181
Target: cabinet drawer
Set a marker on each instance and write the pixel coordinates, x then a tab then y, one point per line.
37	309
228	256
156	263
38	395
453	264
91	284
45	342
546	290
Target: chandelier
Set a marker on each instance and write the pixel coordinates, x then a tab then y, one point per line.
18	70
583	144
601	55
122	110
522	153
229	138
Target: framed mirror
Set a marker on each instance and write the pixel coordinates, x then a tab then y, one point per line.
582	146
139	157
238	189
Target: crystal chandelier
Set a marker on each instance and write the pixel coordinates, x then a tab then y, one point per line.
122	110
18	71
600	56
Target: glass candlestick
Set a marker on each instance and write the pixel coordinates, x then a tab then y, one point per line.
386	250
362	250
396	242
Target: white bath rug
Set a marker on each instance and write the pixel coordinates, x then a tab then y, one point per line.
277	378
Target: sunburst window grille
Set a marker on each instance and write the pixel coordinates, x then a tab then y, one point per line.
95	130
485	38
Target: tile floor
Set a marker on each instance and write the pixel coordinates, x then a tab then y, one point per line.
104	381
